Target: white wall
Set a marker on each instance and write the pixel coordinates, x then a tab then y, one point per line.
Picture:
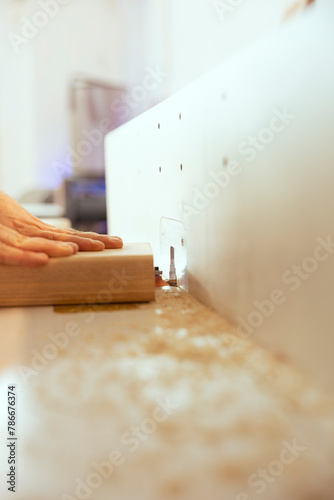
88	40
18	154
198	35
83	37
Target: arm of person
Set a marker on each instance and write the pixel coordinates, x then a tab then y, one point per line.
28	241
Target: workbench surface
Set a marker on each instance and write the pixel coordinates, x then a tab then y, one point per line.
164	394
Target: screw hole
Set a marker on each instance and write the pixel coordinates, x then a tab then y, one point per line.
224	97
181	167
180	116
159	126
160	169
225	161
182	242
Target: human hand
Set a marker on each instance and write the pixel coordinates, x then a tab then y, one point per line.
19	250
26	240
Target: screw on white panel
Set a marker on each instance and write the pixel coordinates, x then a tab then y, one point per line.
172	270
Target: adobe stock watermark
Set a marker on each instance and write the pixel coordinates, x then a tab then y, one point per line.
131	441
59	341
255	144
264	477
293	278
49	9
249	148
121	107
128	101
224	8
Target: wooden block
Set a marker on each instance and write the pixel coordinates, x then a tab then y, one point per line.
122	275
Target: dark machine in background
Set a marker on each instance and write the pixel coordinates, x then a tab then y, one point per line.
86	203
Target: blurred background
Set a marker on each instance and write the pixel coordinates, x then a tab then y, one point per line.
72	70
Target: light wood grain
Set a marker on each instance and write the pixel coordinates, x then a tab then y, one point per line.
122	275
